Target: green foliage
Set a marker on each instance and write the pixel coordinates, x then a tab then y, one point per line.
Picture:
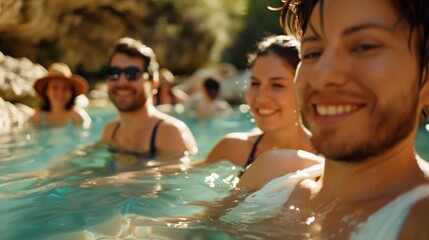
194	33
259	22
223	30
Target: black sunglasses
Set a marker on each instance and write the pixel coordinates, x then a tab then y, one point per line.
131	73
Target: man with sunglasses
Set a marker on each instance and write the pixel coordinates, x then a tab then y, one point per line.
140	129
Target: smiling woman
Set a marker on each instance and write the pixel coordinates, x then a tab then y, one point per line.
272	101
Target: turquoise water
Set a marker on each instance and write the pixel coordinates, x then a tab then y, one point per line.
54	184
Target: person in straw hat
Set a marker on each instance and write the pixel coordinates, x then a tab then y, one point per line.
58	90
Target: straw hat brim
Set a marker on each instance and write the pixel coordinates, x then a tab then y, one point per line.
78	83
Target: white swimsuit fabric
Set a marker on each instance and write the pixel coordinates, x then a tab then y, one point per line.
385	224
268	201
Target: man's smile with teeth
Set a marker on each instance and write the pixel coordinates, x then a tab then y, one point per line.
333	110
122	91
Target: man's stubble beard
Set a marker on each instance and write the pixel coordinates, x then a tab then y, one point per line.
388	127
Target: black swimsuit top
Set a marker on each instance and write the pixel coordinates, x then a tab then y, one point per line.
251	157
152	148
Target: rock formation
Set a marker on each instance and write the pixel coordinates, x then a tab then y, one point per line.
183	33
17	96
17	77
186	35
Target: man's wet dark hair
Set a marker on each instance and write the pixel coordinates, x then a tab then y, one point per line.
135	48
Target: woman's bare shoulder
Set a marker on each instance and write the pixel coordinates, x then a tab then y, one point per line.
275	163
234	147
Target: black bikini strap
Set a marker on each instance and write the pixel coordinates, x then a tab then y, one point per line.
112	137
252	153
152	149
251	157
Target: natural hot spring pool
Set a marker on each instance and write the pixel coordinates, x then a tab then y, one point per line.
54	184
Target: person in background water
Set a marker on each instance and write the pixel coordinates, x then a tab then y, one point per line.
58	91
272	102
140	129
208	104
166	94
191	85
363	86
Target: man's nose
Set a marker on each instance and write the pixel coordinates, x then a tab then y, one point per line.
330	69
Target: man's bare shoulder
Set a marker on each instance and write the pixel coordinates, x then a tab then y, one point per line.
171	129
111	124
108	130
171	123
415	226
424	166
175	136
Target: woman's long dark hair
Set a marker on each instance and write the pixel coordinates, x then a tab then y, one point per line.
285	47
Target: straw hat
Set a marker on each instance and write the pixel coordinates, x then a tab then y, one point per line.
61	71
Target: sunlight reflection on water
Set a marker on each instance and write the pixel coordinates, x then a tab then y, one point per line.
55	184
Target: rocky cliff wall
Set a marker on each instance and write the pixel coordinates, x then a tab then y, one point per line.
17	96
80	32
